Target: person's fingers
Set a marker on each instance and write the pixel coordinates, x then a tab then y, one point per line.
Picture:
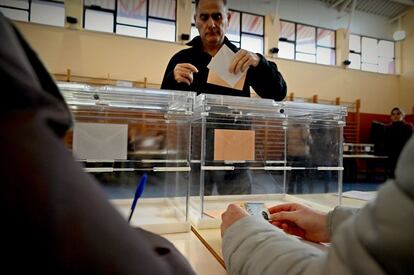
239	56
183	79
293	230
285	227
188	66
283	207
291	216
224	222
244	63
278	224
232	214
241	64
189	76
225	213
183	75
243	60
290	228
234	208
222	229
232	211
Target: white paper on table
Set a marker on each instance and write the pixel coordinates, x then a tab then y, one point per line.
220	64
360	195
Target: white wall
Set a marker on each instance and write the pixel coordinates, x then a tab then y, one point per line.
318	14
407	76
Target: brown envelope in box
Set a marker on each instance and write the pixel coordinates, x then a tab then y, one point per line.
215	79
234	144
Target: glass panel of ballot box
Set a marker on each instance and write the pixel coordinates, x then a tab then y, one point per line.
121	134
251	150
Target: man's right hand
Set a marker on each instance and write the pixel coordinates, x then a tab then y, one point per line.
301	221
183	73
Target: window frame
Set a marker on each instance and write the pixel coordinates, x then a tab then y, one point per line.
360	53
29	9
148	18
241	32
100	9
294	42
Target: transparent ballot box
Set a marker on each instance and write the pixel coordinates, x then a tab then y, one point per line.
120	134
259	150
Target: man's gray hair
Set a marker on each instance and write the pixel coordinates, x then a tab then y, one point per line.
197	1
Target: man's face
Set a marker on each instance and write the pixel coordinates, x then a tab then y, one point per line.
396	115
211	20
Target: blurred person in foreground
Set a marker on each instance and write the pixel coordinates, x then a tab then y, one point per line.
376	239
56	219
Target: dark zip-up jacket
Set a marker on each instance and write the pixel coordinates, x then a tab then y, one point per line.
265	79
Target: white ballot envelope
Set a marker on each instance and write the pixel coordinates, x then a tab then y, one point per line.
219	73
100	141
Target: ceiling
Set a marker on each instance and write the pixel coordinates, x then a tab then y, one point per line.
387	8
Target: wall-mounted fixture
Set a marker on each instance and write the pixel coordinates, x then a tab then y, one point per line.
185	36
346	62
274	50
71	19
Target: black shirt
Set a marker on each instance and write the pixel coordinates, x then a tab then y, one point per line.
265	79
396	135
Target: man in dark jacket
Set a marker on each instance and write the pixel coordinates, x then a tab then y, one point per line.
187	70
397	133
56	219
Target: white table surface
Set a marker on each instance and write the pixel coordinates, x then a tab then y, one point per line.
200	258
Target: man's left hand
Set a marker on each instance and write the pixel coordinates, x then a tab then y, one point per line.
230	216
243	60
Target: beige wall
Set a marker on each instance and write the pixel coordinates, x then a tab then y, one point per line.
407	75
94	54
377	92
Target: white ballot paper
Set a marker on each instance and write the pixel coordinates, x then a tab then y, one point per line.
220	65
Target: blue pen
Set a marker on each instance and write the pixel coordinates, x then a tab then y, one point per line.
138	194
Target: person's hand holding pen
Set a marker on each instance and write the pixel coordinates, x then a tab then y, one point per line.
183	73
302	221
